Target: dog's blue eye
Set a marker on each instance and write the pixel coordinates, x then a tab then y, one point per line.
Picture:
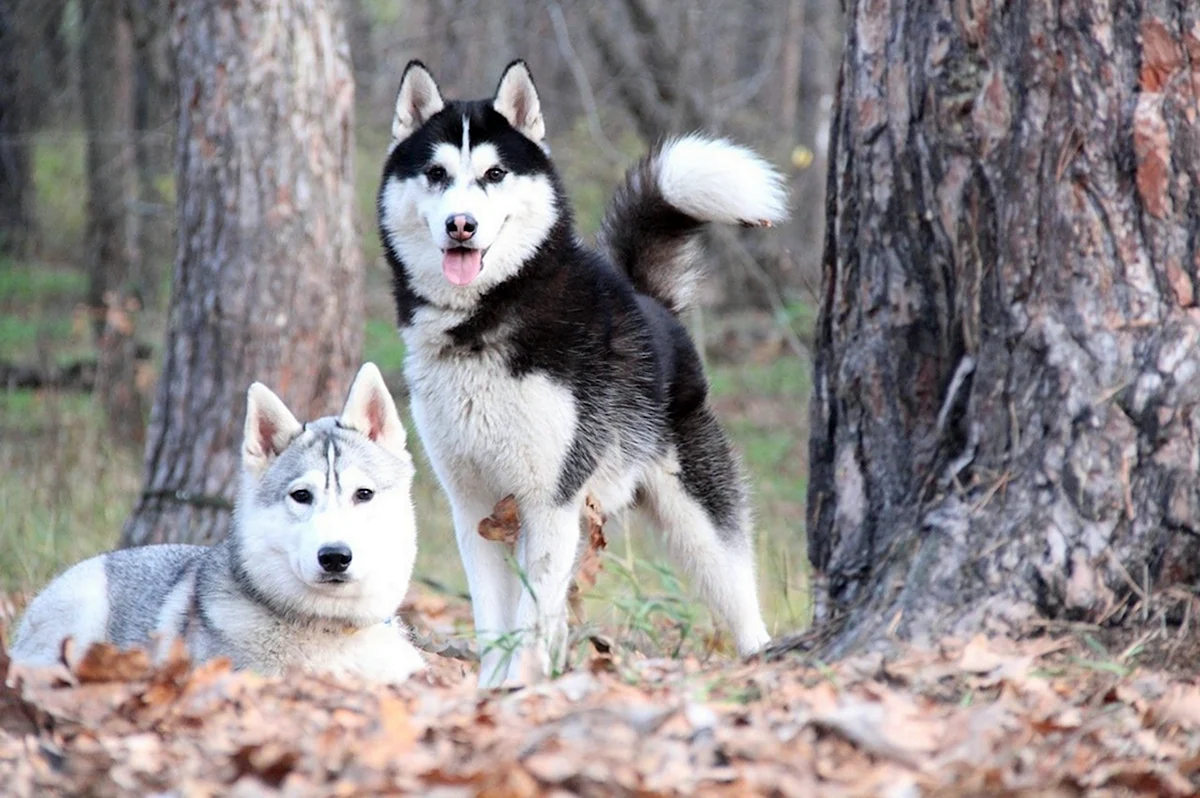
494	175
302	496
436	174
363	495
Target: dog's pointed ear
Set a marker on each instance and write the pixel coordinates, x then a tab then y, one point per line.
371	410
418	99
270	427
517	101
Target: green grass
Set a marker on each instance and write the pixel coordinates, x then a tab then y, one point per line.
20	337
383	346
765	409
60	183
370	147
38	318
67	488
26	284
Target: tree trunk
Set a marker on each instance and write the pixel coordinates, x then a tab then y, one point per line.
153	115
1004	420
267	271
16	180
106	83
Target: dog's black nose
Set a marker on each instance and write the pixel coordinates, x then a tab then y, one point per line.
460	226
334	558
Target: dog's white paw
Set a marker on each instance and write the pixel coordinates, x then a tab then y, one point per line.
752	641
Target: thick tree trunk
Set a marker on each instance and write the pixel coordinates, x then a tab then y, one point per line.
16	179
1004	420
106	83
268	271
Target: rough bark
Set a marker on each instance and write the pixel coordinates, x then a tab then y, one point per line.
16	180
267	282
1004	419
106	85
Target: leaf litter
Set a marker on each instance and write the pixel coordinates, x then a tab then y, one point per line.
986	716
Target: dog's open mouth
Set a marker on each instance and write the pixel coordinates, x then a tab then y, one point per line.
461	265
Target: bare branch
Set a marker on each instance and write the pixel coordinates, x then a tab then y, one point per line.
563	37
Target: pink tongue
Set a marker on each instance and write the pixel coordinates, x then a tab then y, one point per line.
461	266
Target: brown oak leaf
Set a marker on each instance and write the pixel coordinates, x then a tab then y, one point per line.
104	662
504	523
590	563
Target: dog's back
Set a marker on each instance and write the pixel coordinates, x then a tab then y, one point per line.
123	596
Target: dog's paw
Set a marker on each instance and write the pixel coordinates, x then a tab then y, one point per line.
528	666
752	641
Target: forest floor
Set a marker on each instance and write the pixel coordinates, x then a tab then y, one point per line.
1054	715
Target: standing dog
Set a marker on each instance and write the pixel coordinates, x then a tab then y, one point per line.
544	369
310	576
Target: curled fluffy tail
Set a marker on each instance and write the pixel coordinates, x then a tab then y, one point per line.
652	226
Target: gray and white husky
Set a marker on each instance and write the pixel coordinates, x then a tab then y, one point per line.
310	576
542	368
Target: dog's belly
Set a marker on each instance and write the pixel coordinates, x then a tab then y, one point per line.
484	429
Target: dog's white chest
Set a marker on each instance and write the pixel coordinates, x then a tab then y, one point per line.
480	423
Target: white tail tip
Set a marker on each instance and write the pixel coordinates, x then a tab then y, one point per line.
715	180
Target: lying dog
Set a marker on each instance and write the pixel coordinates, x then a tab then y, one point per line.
316	563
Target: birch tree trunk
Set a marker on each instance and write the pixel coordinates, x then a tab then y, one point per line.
267	282
1004	420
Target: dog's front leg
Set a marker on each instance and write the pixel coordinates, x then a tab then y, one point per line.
546	550
494	587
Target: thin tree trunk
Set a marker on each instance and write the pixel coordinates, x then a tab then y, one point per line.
154	113
268	270
16	178
790	61
1004	420
107	80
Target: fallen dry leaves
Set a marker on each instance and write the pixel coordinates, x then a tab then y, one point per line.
983	717
591	561
504	524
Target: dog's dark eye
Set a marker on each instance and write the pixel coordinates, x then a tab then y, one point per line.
436	174
494	175
302	496
363	495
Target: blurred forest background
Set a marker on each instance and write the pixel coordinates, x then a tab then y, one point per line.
88	161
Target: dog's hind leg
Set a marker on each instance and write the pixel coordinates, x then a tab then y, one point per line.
697	500
494	586
74	605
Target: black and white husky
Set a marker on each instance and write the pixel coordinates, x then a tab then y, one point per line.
544	369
